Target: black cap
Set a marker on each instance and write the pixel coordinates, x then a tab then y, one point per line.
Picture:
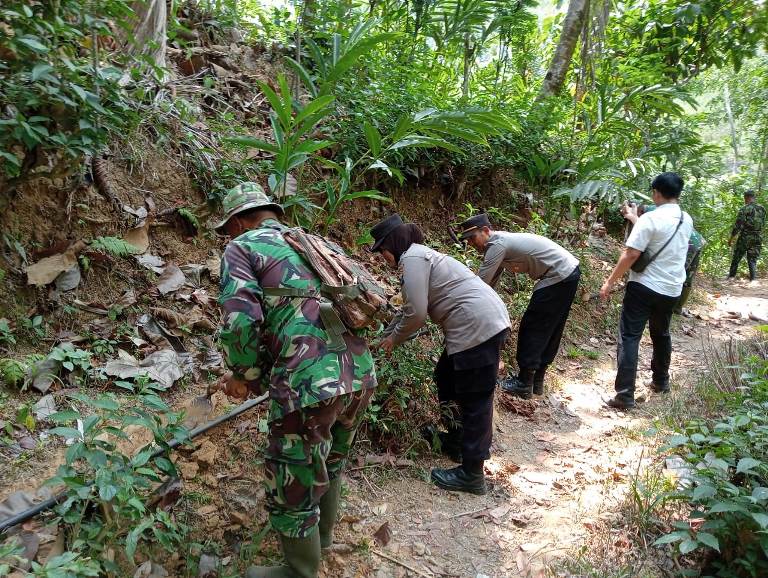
383	228
473	225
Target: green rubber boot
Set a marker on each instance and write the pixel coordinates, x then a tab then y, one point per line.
302	559
329	509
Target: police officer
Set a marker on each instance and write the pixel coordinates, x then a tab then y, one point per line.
557	275
749	228
475	323
278	341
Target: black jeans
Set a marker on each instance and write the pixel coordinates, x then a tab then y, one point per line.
466	396
543	322
642	305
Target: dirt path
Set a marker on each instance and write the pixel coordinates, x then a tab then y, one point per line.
555	474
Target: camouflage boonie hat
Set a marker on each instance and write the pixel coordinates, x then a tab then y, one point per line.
243	197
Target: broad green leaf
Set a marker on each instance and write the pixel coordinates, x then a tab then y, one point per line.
688	546
319	106
373	137
252	142
708	540
32	42
420	141
761	519
672	537
303	74
703	491
64	416
66	432
39	70
746	465
372	194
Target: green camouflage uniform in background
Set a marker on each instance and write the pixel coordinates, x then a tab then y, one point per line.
749	226
317	397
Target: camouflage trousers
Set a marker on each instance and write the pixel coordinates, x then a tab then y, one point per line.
307	448
750	246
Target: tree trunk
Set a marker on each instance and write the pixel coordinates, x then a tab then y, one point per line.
732	124
468	55
561	61
762	167
148	30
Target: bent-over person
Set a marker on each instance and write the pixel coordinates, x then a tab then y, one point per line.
475	323
556	272
277	341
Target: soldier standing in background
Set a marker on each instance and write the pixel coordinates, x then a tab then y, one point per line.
749	228
274	339
556	273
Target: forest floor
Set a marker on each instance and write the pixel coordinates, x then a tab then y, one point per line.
560	477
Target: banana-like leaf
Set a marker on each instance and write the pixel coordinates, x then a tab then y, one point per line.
370	194
321	104
346	61
373	137
252	142
303	74
283	113
421	141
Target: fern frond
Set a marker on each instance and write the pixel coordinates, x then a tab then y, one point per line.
12	372
113	246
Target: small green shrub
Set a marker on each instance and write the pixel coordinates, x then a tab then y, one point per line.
405	400
12	372
729	489
7	336
98	473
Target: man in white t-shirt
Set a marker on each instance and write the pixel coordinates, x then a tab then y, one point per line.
650	295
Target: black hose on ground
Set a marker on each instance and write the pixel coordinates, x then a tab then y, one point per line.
8	523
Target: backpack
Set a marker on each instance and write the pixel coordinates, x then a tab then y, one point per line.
350	298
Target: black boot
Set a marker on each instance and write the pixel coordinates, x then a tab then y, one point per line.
752	270
538	380
520	385
461	479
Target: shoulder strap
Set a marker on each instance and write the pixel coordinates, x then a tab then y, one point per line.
664	246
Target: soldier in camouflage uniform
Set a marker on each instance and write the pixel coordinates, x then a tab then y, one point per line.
749	228
318	396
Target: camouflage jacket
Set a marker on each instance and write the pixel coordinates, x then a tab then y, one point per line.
282	338
750	221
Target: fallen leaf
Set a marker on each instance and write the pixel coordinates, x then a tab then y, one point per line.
522	562
45	407
213	264
171	279
138	237
46	270
151	262
164	366
150	570
383	535
43	373
499	512
69	279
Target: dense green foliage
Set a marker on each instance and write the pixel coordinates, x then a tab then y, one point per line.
728	487
55	94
